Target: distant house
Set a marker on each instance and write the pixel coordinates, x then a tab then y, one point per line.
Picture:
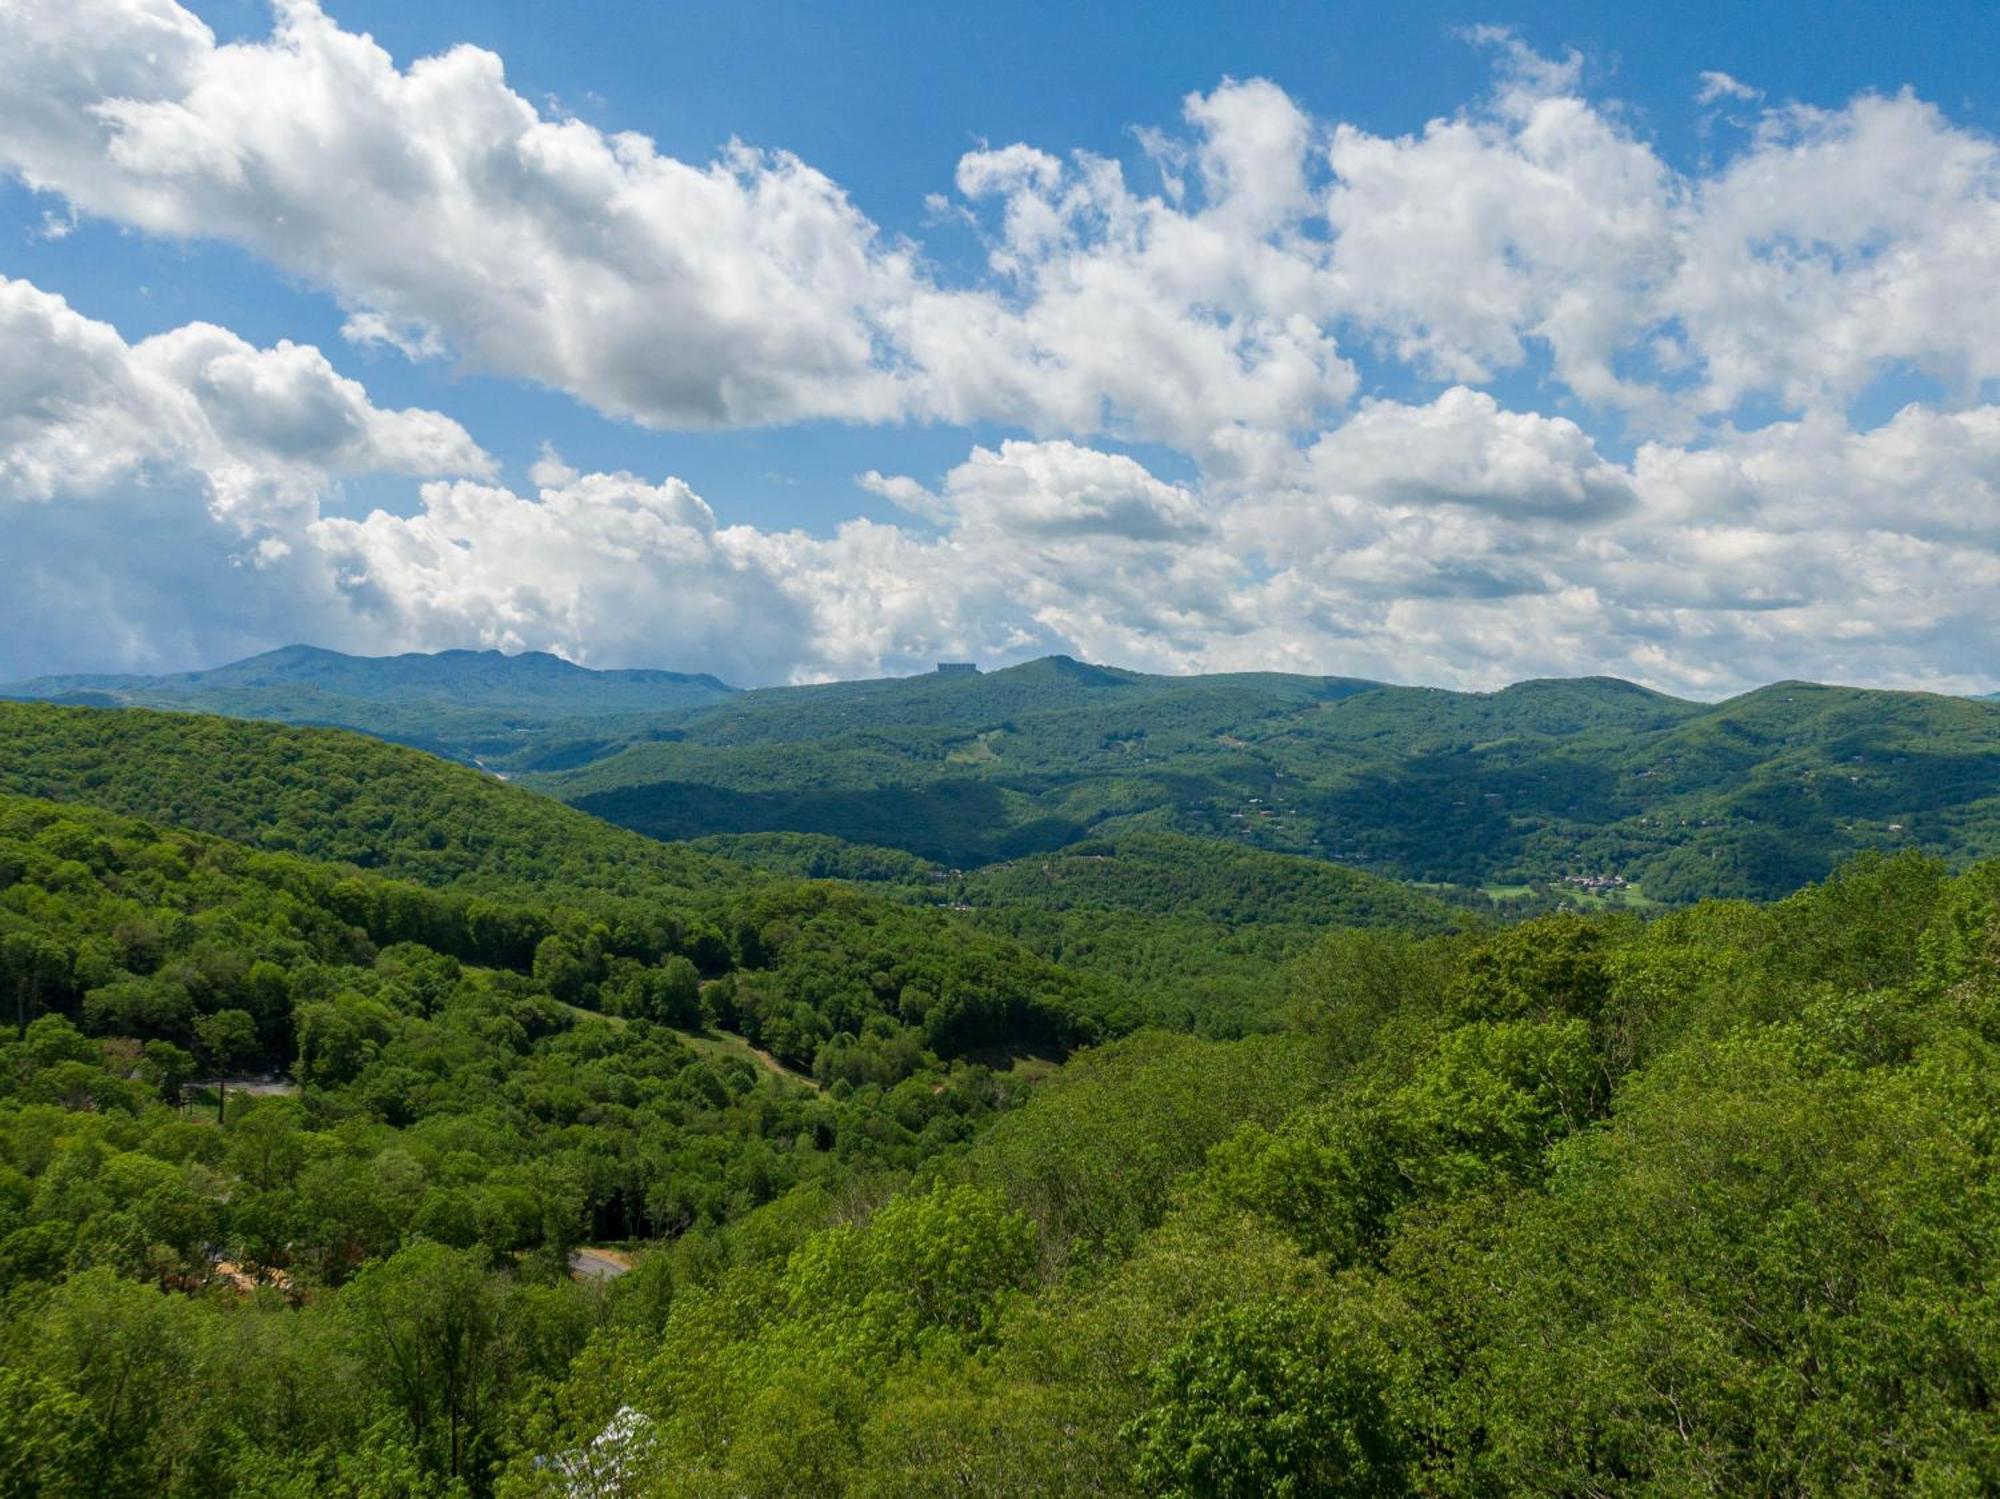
958	669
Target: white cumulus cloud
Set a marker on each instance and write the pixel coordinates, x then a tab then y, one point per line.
263	430
449	212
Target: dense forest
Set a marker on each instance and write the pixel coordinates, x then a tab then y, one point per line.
487	1081
1569	1206
1577	1207
1193	930
340	1084
335	796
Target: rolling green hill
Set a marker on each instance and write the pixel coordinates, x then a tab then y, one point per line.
1199	928
346	799
1162	874
794	963
332	795
1535	783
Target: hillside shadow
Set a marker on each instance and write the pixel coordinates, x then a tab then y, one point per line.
956	822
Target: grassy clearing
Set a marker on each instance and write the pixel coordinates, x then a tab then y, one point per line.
979	752
714	1046
717	1046
582	1014
1029	1064
1631	898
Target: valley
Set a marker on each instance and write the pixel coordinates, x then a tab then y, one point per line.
774	1154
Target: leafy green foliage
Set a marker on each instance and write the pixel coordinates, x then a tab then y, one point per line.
461	1126
1580	1206
336	797
1263	1398
1192	931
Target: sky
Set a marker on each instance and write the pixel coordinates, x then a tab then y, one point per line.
1437	344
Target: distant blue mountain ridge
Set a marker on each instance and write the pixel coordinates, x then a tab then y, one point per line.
467	705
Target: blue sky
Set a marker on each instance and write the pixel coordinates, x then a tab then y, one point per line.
886	97
1093	523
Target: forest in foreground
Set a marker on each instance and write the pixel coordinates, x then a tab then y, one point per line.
924	1201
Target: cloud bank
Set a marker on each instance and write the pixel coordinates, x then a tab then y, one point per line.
1697	506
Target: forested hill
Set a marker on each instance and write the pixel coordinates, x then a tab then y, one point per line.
1592	778
1578	1206
1160	874
464	704
1198	930
339	796
1152	874
1168	931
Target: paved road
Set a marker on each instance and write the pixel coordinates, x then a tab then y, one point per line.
597	1264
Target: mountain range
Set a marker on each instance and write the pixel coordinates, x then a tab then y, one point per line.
1591	780
465	705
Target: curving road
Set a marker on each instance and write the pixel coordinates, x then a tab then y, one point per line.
597	1264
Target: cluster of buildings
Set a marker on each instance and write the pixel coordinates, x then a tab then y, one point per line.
1595	881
